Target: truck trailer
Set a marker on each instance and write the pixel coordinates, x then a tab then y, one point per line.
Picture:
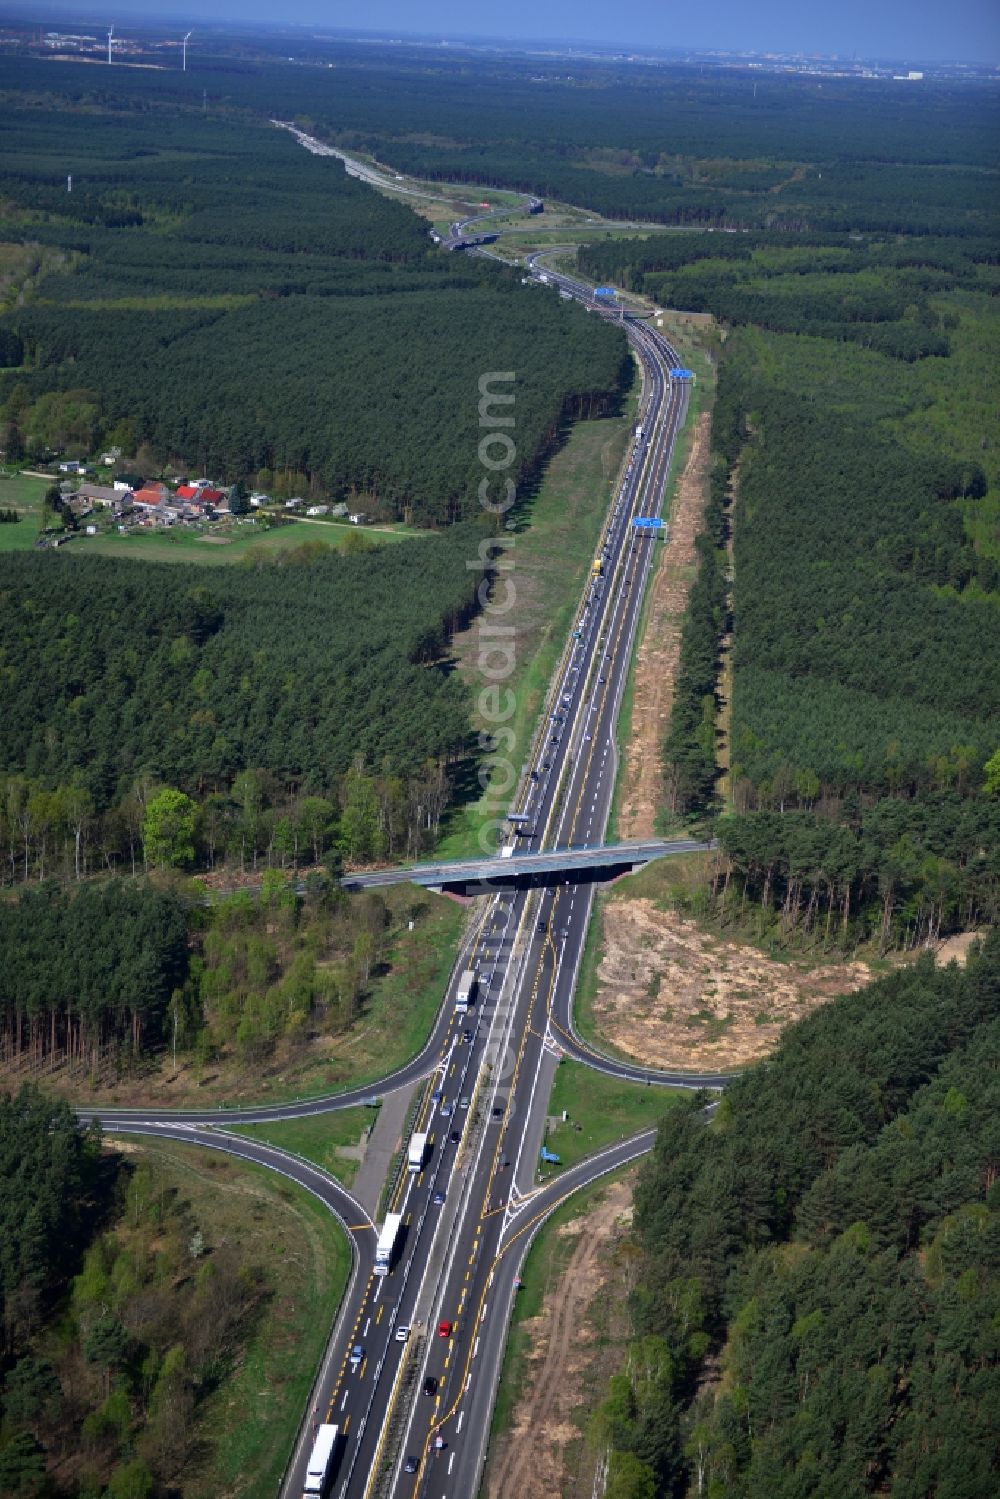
320	1464
386	1246
466	991
417	1151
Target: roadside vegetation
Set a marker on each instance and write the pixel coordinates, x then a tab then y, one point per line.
262	995
861	778
600	1109
543	1265
833	1222
547	560
331	1141
164	1310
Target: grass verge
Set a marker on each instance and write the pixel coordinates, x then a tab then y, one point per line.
601	1111
250	1423
554	545
701	393
323	1139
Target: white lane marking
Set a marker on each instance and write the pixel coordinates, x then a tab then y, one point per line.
458	1425
367	1325
450	1462
476	1348
344	1401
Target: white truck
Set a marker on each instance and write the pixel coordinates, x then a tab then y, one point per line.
320	1463
466	991
507	852
386	1246
417	1151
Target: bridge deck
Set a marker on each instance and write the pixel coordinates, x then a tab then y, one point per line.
519	866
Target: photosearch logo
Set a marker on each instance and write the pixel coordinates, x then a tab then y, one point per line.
496	659
497	595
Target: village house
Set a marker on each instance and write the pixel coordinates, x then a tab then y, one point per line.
149	500
101	494
203	497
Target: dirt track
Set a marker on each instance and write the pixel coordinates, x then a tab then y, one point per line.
531	1463
659	652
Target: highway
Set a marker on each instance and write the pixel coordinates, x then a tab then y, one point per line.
409	1397
425	1399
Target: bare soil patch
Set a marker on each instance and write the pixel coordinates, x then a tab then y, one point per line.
659	653
670	994
956	949
566	1364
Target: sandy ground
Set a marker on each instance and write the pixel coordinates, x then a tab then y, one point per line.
670	994
956	949
659	652
531	1459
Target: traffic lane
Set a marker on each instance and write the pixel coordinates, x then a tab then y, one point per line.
390	1299
523	1093
510	1111
368	1453
455	1470
525	1075
474	1245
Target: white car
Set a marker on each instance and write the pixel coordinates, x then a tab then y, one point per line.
402	1332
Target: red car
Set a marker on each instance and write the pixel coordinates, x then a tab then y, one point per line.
444	1329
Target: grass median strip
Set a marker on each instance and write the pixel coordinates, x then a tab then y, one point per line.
554	545
334	1142
601	1110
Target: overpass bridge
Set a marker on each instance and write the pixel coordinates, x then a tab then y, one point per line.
558	866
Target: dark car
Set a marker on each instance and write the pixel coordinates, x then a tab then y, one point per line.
543	927
430	1385
456	1135
411	1465
498	1111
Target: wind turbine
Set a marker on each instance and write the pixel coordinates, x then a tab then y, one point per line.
185	44
110	35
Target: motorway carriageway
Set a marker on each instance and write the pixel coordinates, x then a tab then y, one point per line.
469	1215
459	1255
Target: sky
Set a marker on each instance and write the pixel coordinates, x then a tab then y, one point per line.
929	30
